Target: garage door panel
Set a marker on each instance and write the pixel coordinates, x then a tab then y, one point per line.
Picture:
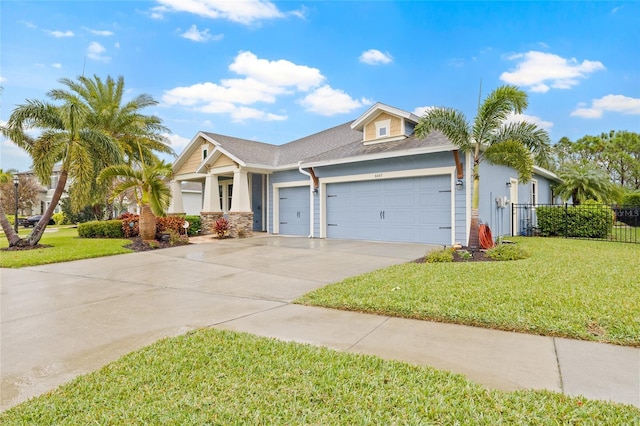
416	209
294	211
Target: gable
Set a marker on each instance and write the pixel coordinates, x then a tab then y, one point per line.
391	123
195	159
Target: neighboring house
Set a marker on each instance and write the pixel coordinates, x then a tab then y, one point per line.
45	193
369	179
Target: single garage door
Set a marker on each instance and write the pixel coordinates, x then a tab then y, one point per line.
294	211
416	210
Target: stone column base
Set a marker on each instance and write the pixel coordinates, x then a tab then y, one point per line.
240	224
208	221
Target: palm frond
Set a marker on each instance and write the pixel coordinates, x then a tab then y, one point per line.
513	154
450	122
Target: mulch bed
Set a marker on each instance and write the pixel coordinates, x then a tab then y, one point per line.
138	244
476	256
16	248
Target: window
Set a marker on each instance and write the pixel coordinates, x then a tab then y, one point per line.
383	128
204	153
534	192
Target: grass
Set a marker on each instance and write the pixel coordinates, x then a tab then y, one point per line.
66	246
579	289
219	377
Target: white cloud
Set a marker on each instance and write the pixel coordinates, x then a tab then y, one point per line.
102	33
541	71
613	103
200	36
375	57
117	45
29	24
420	111
57	65
2	79
60	34
95	51
281	73
178	143
262	81
328	101
516	118
244	12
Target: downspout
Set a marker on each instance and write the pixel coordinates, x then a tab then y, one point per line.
311	199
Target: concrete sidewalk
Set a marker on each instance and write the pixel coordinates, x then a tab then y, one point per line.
63	320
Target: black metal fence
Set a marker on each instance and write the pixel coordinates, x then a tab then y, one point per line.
586	221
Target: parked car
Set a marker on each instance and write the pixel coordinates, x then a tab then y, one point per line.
32	220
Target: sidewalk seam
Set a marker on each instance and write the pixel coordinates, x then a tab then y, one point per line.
368	334
555	350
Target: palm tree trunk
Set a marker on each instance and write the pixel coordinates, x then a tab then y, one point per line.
38	230
147	223
474	225
11	234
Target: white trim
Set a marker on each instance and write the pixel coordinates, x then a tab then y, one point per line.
387	139
190	176
383	124
359	123
513	199
267	204
381	156
546	173
534	192
435	171
276	200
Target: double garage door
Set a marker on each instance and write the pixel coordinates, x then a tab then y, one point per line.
416	209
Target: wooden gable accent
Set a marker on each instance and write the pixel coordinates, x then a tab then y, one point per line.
222	161
395	128
195	159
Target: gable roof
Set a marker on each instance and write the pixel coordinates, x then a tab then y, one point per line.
342	143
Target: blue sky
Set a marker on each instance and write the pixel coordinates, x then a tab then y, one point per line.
278	71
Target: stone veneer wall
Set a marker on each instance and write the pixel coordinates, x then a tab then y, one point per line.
240	224
207	221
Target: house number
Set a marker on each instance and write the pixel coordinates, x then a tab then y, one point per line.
377	175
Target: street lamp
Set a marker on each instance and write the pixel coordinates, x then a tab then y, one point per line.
16	180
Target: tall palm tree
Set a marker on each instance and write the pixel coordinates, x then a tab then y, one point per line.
149	184
139	136
490	137
582	182
65	139
88	129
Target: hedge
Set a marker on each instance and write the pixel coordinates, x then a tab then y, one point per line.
101	229
194	225
581	221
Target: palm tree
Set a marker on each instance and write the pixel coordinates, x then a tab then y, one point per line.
582	182
490	138
149	184
139	136
7	175
66	139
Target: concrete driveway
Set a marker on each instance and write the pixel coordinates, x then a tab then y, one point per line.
67	319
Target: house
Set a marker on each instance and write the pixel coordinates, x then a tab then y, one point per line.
368	179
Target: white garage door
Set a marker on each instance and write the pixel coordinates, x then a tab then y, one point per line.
416	209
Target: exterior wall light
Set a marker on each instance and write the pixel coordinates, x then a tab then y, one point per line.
459	184
509	184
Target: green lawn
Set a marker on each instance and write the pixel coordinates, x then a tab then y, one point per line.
573	288
66	246
217	377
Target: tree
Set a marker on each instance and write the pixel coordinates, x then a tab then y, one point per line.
490	138
86	132
149	184
582	182
28	190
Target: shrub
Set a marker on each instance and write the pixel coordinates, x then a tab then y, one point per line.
194	225
221	227
169	223
59	218
507	252
631	199
439	256
129	223
589	220
101	229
